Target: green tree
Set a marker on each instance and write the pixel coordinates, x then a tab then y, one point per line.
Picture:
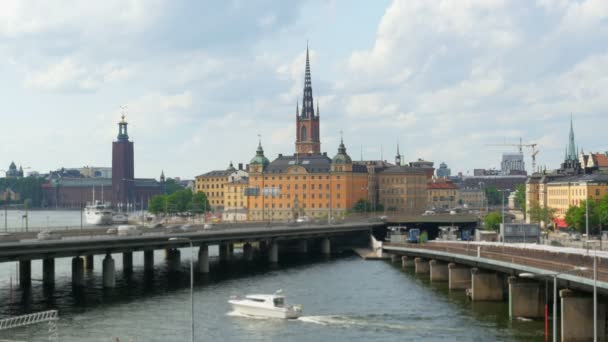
179	201
576	217
493	196
520	198
200	203
540	214
157	204
172	185
492	221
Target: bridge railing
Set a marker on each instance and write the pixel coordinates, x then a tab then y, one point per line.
550	260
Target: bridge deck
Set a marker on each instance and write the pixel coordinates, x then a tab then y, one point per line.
100	243
513	260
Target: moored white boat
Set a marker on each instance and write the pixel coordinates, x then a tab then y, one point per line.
263	305
98	213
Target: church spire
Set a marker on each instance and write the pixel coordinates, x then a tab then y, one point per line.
308	109
297	108
398	156
571	153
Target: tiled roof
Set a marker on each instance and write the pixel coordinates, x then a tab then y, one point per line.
595	177
403	170
217	173
600	159
441	186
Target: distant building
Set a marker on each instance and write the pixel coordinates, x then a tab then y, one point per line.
443	171
564	192
8	195
236	200
13	172
213	184
69	188
594	162
442	194
473	198
96	172
427	166
402	189
513	164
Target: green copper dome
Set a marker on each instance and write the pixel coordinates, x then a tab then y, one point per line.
259	158
342	157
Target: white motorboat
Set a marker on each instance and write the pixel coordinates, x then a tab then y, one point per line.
119	218
262	305
98	213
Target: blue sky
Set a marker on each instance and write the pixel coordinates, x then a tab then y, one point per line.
202	79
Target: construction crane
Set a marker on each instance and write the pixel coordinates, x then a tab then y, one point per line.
521	146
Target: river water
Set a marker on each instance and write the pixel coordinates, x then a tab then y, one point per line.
344	299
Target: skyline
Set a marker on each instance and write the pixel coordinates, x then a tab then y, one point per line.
198	94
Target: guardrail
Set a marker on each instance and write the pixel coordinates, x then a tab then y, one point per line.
24	320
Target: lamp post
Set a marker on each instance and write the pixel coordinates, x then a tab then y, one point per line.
182	239
554	275
503	211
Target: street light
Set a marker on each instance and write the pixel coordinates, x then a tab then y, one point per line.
554	275
183	239
503	211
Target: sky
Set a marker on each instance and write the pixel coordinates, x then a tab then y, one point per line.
200	80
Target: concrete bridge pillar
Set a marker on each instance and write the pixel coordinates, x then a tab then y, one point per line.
485	286
223	250
88	262
438	271
273	253
108	269
302	247
459	277
173	260
325	246
394	258
203	259
577	317
127	262
148	260
407	262
48	272
247	252
77	271
230	251
421	266
526	299
25	274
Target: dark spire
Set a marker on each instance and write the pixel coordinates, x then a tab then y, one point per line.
398	156
308	109
318	111
571	153
297	108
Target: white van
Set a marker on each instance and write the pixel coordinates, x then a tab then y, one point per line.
128	230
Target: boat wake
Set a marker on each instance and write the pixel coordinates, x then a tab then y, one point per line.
350	322
239	314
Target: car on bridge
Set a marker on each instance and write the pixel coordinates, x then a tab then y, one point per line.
48	235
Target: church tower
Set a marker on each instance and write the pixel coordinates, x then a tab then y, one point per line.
122	167
307	123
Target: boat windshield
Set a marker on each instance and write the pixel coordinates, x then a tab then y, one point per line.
279	302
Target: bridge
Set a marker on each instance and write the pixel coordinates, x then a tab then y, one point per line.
521	274
83	245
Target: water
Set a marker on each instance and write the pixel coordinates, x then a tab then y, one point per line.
40	219
344	299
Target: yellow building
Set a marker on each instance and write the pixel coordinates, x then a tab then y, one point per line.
235	200
311	185
442	194
473	198
213	185
402	189
565	192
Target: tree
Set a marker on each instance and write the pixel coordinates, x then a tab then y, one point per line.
493	196
520	198
200	203
362	206
172	185
540	214
157	204
576	217
179	201
492	221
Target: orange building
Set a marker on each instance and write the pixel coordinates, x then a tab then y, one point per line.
310	185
